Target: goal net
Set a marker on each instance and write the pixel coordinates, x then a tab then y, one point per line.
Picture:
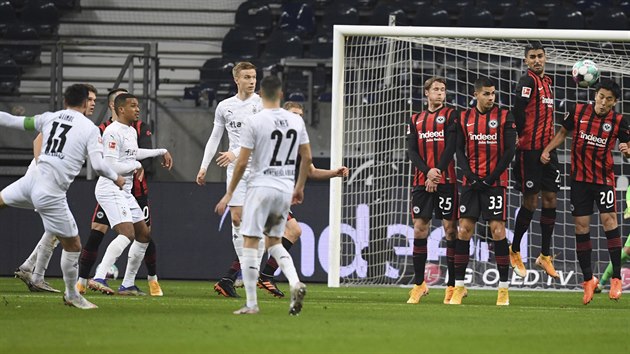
378	77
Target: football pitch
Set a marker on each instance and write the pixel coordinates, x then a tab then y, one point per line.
192	318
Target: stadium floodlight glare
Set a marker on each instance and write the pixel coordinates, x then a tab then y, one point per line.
378	74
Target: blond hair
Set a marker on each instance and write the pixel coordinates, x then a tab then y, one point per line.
243	65
430	81
292	104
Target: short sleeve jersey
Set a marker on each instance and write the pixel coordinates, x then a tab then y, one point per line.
274	135
232	112
120	141
68	138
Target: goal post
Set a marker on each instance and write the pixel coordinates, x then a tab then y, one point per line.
378	74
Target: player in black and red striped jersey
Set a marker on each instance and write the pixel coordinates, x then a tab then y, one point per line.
431	138
596	127
485	147
100	223
534	117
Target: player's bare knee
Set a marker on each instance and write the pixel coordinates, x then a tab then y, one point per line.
126	229
530	201
497	229
466	228
609	221
292	231
450	229
142	232
99	227
70	244
549	200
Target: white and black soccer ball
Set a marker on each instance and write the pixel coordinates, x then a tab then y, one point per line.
585	73
112	273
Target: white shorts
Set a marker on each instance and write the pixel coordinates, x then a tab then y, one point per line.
265	212
35	192
238	197
119	206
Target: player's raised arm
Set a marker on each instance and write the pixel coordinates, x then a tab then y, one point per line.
319	174
17	122
568	124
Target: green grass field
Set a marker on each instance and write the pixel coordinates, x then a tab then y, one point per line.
192	318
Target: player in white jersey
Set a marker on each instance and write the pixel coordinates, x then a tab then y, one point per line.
68	138
120	148
271	138
230	115
32	271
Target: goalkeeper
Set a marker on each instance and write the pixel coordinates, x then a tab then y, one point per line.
625	251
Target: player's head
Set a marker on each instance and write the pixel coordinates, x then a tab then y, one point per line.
245	77
606	95
484	93
435	90
91	102
294	107
111	97
127	108
271	89
76	97
535	57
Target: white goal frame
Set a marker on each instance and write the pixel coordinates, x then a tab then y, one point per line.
337	116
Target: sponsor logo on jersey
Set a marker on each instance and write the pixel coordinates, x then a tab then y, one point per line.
526	92
593	139
493	123
234	124
482	137
547	101
431	134
112	145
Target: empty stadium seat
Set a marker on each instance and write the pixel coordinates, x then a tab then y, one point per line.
475	17
216	73
519	17
42	15
432	17
563	18
298	18
453	6
7	17
10	74
27	53
340	14
321	46
607	18
254	16
282	44
382	12
239	44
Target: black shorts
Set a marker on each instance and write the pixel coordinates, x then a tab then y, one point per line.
584	194
531	176
99	216
443	202
491	203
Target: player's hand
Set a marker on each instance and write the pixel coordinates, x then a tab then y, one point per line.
225	158
139	174
434	175
430	186
298	196
623	147
342	171
545	157
120	181
167	161
201	177
222	204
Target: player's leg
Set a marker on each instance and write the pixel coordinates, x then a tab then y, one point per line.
547	225
625	256
292	233
225	286
45	248
422	205
136	251
527	181
462	254
250	265
89	253
582	199
447	211
150	256
613	240
69	266
493	204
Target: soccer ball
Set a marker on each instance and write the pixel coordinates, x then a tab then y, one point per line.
585	73
112	273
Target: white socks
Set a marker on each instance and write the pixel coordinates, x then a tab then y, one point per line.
114	250
249	269
136	255
261	250
237	240
70	269
285	262
45	248
504	284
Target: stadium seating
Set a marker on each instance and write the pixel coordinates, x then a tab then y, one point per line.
606	18
563	18
7	17
239	44
23	53
254	16
42	15
282	44
321	46
66	4
340	13
10	74
216	73
475	17
453	6
518	17
431	16
382	11
298	18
